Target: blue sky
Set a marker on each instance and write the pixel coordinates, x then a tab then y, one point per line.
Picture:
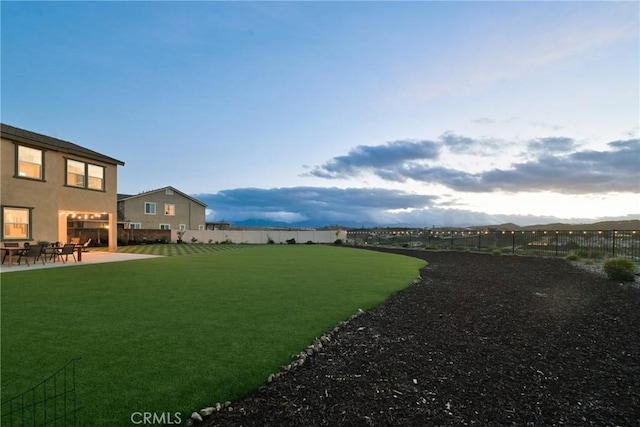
353	113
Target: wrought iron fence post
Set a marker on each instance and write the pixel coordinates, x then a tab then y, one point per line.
613	244
557	235
513	242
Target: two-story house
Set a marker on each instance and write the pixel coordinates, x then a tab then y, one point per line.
48	183
162	209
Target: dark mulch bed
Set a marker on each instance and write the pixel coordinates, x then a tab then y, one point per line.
480	340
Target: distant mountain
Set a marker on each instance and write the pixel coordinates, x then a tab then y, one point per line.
633	224
475	221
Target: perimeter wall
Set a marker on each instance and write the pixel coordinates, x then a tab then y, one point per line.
260	236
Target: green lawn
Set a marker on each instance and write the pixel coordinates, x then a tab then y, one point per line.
172	249
176	334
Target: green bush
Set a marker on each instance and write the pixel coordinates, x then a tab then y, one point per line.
497	252
573	256
619	269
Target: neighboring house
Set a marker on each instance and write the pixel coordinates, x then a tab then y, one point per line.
162	209
49	184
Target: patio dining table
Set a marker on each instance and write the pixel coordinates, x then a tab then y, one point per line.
11	250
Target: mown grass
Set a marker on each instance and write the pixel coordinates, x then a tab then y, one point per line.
172	249
176	334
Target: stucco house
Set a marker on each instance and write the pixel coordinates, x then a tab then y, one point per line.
163	209
49	185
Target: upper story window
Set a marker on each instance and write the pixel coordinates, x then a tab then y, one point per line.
96	177
75	173
149	208
169	209
85	175
30	162
16	223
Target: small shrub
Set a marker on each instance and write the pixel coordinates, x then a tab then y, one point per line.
270	241
573	257
291	242
309	242
194	240
338	242
619	269
590	262
497	252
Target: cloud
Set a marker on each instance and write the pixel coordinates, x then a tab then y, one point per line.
484	121
565	37
312	205
350	207
551	145
380	156
580	172
557	166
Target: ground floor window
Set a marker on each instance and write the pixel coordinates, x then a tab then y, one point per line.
165	227
16	223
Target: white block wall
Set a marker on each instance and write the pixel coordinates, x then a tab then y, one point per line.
261	236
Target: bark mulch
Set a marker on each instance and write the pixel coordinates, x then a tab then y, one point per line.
479	340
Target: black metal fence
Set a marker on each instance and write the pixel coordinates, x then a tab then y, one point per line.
586	244
53	402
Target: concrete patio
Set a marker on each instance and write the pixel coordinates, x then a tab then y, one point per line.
87	258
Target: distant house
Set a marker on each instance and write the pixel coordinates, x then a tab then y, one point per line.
48	185
162	209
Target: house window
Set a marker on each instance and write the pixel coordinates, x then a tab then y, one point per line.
169	209
165	227
149	208
168	192
200	227
75	173
16	223
182	227
96	177
85	175
135	225
30	163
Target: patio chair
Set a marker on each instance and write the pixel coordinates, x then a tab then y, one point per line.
67	249
9	245
75	240
33	251
52	251
86	245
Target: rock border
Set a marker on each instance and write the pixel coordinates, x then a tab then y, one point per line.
298	360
